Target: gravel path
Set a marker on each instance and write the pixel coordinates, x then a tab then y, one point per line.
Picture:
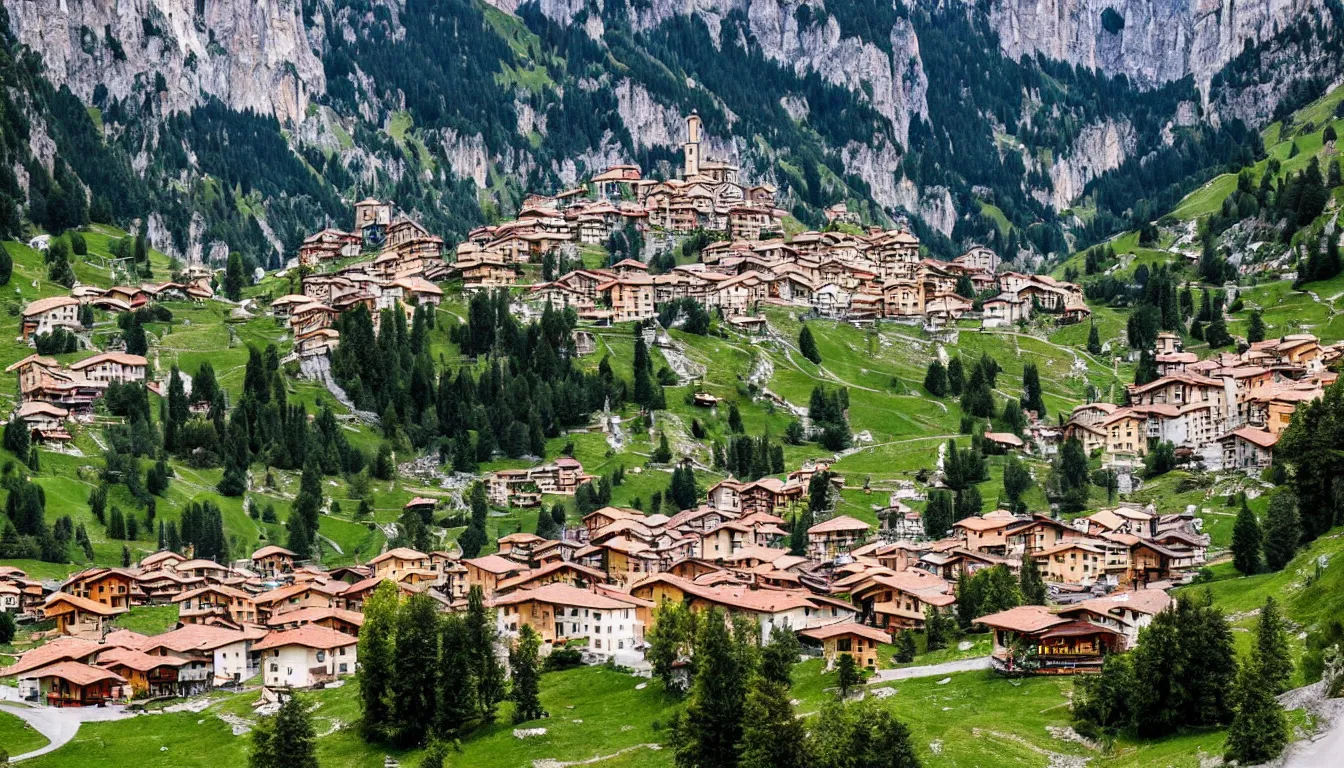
932	670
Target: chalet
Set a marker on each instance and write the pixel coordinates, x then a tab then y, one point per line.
305	657
1071	562
398	563
898	600
72	684
1248	448
488	571
1055	644
630	298
836	536
46	315
986	533
146	675
217	656
79	616
848	638
1125	612
217	604
607	623
45	422
339	619
271	561
112	367
111	587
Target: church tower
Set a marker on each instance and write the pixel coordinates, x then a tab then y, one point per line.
692	146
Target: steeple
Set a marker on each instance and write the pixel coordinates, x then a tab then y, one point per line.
692	146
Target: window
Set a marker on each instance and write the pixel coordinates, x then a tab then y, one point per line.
844	645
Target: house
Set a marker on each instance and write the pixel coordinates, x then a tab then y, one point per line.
338	619
79	616
271	561
1030	639
899	600
45	422
986	533
145	674
217	604
1248	448
488	571
1072	562
46	315
307	656
59	649
630	298
72	684
112	367
217	656
607	624
857	640
1126	612
400	562
836	536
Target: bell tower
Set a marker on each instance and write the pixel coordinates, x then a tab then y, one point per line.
692	146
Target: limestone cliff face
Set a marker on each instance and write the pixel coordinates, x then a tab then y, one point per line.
1150	41
1100	147
258	54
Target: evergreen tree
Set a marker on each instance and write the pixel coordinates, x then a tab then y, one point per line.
233	277
905	646
1259	731
1255	328
486	670
377	653
779	655
707	732
1246	541
956	376
935	629
735	419
808	345
1093	341
935	379
293	743
457	690
1016	482
413	687
1031	582
7	628
526	676
772	737
938	514
847	674
1032	399
1283	530
6	265
1271	647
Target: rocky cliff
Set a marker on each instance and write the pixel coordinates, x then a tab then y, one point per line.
1150	41
258	55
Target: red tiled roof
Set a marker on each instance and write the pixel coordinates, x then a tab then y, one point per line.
309	636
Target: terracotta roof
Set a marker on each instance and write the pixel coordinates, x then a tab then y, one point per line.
1007	438
592	574
77	673
125	638
1024	618
495	564
271	550
83	604
983	523
401	553
194	637
114	357
140	662
565	594
312	615
48	304
309	636
837	524
1259	437
847	628
1143	601
59	649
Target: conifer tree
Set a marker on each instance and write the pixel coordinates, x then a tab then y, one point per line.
1255	328
1093	341
6	265
456	707
1283	530
956	376
293	743
1246	541
847	674
526	676
772	737
1259	731
779	655
1271	647
935	379
707	732
486	671
1031	582
377	652
905	646
808	345
1032	399
413	687
935	628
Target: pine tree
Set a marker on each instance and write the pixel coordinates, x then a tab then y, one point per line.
939	514
233	277
413	686
905	646
6	265
847	674
1271	647
1246	541
1259	731
935	379
707	732
293	743
486	670
1031	582
808	345
1032	400
1255	328
956	376
772	737
779	655
935	629
1093	341
526	676
457	690
1283	530
735	419
377	653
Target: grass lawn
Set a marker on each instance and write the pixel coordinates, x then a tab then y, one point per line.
148	619
17	737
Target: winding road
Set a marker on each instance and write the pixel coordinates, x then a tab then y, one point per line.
59	725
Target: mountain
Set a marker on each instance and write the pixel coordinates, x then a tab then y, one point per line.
1034	127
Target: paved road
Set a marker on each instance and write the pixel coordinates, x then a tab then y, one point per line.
59	725
932	670
1325	752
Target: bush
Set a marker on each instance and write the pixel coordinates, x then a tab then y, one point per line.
563	658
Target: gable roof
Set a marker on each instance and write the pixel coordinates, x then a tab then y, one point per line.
838	524
1023	618
59	649
309	636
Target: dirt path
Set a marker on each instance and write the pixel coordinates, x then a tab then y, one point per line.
932	670
59	725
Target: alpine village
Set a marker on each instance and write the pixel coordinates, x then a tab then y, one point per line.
765	384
